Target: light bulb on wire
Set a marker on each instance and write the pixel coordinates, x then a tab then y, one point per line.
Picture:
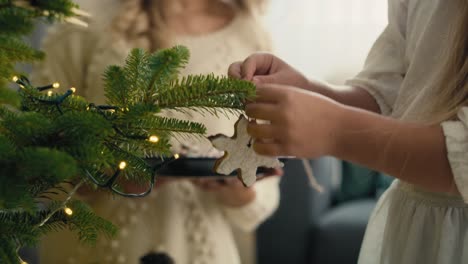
153	139
68	210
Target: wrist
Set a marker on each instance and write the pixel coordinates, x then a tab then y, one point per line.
339	128
321	87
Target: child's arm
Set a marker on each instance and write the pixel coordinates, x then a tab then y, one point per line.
306	124
412	152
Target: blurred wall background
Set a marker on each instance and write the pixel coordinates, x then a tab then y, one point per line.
327	39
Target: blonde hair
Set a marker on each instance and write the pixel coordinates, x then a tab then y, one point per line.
142	22
452	81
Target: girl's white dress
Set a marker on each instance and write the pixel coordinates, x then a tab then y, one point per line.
410	225
189	224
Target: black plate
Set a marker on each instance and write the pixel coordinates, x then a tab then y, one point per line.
194	167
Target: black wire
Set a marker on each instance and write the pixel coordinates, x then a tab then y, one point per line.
109	184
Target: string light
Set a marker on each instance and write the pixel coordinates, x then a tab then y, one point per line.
15	78
56	85
125	109
49	93
176	156
73	89
122	165
23	262
68	211
153	139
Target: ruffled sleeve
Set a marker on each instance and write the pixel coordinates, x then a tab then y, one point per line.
385	68
248	217
456	139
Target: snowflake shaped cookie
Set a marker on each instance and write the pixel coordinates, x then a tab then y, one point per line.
239	155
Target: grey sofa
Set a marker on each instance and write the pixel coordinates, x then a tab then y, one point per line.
310	227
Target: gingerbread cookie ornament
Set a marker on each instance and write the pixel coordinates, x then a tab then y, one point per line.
239	155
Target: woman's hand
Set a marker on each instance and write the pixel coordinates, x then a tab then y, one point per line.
267	68
230	192
302	123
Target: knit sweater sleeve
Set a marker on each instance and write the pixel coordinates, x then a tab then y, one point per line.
68	49
266	201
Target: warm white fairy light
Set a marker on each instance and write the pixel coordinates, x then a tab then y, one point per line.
176	156
15	78
56	85
153	139
49	93
122	165
68	210
73	89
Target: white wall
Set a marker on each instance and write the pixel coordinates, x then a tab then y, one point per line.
328	39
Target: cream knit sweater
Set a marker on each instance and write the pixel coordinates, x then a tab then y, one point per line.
189	224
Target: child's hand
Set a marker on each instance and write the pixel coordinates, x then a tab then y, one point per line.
302	123
267	68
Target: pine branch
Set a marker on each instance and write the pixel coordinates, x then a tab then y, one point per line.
201	92
137	73
8	251
157	124
88	225
8	96
165	66
61	206
12	48
117	91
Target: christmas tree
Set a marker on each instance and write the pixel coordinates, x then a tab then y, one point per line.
52	143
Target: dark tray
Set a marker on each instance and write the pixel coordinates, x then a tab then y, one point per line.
195	167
